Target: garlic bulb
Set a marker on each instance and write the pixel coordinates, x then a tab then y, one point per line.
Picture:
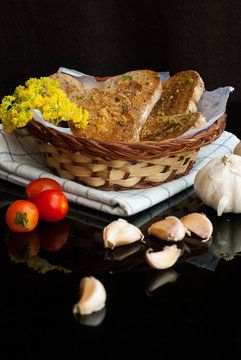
218	184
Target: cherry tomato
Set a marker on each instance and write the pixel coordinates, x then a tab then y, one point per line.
23	246
52	205
22	216
37	186
53	235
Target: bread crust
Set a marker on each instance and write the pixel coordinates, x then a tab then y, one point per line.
181	94
159	128
67	83
142	87
109	118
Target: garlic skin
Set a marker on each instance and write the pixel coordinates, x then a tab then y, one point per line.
121	232
169	229
198	224
92	296
163	259
218	184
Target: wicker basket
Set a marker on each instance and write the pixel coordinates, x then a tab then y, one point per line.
117	165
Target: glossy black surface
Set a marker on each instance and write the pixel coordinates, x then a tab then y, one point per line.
199	313
199	310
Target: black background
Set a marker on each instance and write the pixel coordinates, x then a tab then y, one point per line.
113	36
109	37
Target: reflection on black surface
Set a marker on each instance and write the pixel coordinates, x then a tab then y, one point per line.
77	246
226	242
76	242
94	319
52	235
156	279
23	246
122	252
75	249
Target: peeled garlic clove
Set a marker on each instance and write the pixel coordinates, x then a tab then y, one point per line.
163	259
93	296
170	229
120	232
198	224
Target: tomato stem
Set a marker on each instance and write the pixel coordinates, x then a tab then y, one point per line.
21	219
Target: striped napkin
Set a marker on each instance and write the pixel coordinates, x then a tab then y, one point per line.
21	162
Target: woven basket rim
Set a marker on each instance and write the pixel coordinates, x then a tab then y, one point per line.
125	150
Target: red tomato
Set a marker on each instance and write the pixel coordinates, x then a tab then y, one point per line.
53	235
52	205
23	246
39	185
22	216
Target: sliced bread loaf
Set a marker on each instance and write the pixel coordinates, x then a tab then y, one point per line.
158	128
142	87
109	118
181	94
67	83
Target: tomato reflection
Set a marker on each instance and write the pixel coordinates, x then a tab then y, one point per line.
23	246
52	235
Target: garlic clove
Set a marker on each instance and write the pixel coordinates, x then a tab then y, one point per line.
199	224
93	296
170	229
121	232
223	203
163	259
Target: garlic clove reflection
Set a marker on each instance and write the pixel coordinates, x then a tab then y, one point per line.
158	279
199	224
163	259
122	252
92	296
94	319
170	229
120	232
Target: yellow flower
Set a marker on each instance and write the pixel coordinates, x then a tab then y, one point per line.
80	118
45	95
38	101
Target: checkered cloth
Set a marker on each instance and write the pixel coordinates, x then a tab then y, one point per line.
21	162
